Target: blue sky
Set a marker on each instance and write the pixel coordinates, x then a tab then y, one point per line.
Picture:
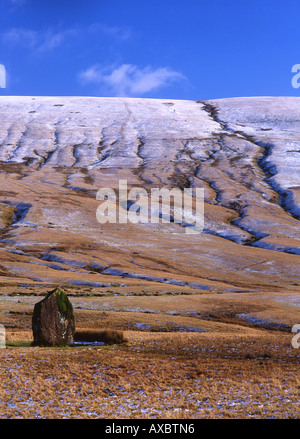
191	49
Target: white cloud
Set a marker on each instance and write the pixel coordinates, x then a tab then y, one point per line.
43	41
116	32
129	80
46	40
51	40
17	35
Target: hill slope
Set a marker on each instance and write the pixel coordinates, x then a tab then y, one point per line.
56	152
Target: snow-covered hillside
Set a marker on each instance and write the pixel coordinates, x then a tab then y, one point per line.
56	152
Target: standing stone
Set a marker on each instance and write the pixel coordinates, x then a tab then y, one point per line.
53	320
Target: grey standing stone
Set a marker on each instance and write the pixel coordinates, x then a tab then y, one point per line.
53	320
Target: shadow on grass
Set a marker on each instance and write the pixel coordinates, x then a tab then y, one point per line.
82	338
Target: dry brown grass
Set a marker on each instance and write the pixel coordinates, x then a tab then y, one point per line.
158	375
167	368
